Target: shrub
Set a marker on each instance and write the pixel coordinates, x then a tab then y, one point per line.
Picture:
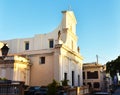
65	82
52	88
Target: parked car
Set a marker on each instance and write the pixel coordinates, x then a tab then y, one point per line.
101	93
31	90
42	91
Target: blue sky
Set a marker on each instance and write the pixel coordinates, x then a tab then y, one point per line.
98	23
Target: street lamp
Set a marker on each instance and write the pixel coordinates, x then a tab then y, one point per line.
4	50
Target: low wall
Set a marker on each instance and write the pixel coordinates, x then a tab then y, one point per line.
83	90
72	91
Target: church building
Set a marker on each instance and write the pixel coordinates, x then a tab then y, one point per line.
54	55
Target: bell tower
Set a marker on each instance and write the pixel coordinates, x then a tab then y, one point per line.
68	26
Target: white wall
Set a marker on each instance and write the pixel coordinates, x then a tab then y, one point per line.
41	41
68	60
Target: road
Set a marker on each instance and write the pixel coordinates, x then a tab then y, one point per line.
117	91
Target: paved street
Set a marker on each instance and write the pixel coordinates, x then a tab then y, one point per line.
117	92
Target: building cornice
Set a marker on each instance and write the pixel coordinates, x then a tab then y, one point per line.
69	50
36	52
7	61
92	65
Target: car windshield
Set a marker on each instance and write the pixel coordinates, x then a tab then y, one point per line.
34	88
101	93
37	88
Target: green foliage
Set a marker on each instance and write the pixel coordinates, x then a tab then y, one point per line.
3	79
52	88
113	66
65	82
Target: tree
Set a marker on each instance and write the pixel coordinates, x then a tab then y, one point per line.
52	88
113	66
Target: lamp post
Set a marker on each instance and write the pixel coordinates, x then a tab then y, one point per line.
4	51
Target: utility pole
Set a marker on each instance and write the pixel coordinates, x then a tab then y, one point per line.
97	58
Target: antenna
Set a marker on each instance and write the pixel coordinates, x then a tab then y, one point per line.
69	8
97	58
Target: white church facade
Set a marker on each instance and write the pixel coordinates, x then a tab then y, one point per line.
54	55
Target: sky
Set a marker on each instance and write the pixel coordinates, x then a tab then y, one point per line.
98	23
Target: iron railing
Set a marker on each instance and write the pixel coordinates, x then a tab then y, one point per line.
11	87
